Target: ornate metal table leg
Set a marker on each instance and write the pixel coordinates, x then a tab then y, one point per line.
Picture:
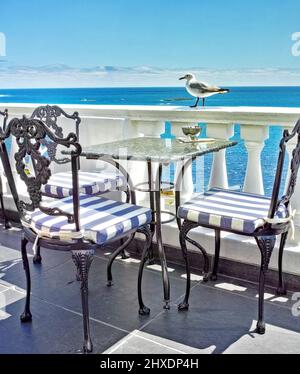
266	245
161	251
26	315
183	232
83	260
143	310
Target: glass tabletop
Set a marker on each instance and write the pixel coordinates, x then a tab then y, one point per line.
154	149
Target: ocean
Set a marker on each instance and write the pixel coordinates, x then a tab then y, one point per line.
238	96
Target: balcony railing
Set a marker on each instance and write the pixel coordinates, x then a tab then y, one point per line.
101	124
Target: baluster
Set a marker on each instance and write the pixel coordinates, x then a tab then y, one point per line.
187	188
254	137
138	169
218	176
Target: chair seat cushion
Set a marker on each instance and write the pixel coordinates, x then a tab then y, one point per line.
90	183
102	220
229	210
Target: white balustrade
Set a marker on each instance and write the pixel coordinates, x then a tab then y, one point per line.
187	187
254	137
218	177
138	170
101	124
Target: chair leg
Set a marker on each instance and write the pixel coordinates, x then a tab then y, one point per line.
185	304
214	275
83	261
37	258
281	290
143	310
7	224
26	316
266	245
185	229
112	258
124	254
202	250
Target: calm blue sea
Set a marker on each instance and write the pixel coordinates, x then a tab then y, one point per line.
239	96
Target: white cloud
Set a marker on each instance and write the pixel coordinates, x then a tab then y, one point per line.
60	75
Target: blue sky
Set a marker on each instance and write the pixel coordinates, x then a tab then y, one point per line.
137	42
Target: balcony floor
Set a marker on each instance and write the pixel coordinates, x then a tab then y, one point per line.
221	317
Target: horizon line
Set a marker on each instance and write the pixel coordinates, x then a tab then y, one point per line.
139	87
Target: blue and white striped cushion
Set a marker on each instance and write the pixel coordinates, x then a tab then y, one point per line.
102	220
229	210
60	184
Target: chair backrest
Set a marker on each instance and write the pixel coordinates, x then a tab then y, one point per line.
5	115
49	114
29	134
294	168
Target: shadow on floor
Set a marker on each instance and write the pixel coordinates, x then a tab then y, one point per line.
220	320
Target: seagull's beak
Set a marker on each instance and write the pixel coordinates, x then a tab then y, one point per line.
182	78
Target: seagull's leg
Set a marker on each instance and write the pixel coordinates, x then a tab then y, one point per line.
195	106
203	102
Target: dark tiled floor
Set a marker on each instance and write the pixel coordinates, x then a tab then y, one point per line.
220	319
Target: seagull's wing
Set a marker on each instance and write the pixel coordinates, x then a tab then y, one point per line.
203	87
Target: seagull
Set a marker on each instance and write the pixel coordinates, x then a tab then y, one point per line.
201	90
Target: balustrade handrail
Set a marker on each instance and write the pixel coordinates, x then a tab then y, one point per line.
259	116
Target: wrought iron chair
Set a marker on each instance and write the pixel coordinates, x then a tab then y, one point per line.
244	214
78	224
7	224
90	183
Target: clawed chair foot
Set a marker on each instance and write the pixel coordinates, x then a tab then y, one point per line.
26	317
281	291
260	328
7	225
167	305
125	255
88	347
144	311
183	307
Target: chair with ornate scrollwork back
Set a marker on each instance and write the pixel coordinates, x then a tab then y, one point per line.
293	172
29	135
56	224
90	183
246	214
94	183
7	224
49	115
278	202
